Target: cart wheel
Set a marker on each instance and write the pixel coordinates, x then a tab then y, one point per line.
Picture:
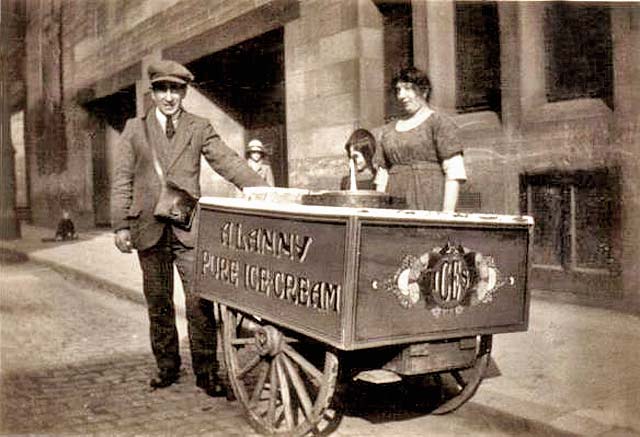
284	384
458	386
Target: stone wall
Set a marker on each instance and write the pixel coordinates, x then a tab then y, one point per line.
626	137
334	82
334	78
101	46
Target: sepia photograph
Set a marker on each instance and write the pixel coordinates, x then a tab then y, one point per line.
337	218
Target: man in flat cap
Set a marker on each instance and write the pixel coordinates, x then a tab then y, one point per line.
174	138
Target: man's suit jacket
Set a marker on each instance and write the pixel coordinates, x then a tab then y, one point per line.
136	185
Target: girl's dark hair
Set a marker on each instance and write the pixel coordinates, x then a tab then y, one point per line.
361	140
417	77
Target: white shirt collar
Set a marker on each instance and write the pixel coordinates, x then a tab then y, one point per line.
162	119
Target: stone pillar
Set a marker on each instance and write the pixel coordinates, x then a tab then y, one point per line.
532	57
420	34
370	112
510	67
334	82
441	35
9	224
625	25
522	83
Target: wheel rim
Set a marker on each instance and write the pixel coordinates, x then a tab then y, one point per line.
284	384
459	385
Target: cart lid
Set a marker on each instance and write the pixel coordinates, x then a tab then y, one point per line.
404	215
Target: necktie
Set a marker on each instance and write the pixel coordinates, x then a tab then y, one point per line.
170	129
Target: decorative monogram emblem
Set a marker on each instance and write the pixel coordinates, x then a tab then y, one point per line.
450	278
446	279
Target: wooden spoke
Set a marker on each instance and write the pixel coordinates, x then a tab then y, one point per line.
243	341
273	393
249	366
273	382
227	317
286	395
262	378
239	320
298	385
304	364
279	416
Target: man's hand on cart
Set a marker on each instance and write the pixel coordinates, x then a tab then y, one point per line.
123	240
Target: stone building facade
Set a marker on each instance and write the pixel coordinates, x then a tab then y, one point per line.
545	93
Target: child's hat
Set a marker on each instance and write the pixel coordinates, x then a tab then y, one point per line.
256	146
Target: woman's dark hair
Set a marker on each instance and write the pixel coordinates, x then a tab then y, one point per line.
417	77
361	140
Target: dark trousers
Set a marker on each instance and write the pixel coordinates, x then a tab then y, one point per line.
157	269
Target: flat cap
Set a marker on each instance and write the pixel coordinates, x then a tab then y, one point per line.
169	71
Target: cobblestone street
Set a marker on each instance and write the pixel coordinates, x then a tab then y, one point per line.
78	361
411	218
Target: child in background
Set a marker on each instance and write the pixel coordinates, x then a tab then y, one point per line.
66	230
255	158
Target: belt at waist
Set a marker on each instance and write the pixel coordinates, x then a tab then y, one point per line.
419	165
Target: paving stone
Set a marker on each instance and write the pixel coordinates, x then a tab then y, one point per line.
94	361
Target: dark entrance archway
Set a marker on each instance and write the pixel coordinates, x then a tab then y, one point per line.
247	81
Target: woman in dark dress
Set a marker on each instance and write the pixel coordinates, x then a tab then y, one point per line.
419	157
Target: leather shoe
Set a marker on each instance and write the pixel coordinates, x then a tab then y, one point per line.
211	386
164	380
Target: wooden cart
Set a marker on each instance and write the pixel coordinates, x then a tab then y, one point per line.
306	291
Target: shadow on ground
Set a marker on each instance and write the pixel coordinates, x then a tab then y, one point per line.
12	257
403	401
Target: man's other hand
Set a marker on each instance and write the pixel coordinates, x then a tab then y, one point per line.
123	240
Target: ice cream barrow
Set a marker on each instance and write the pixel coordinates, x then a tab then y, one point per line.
312	297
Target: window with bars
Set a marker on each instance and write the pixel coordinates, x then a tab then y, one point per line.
576	219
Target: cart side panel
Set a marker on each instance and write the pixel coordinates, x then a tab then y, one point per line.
287	270
426	282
